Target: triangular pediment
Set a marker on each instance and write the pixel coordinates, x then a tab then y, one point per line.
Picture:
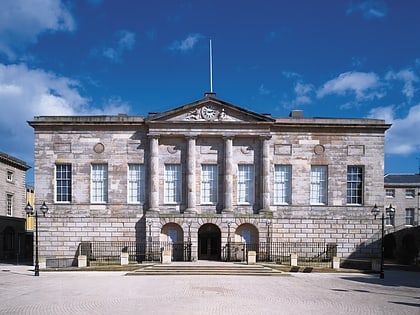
209	109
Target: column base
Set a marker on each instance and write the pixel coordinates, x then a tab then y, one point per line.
190	210
152	210
227	210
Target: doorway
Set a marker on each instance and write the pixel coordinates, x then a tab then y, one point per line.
209	242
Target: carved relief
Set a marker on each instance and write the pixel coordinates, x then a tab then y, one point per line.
207	113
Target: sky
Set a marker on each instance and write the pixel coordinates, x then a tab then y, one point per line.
329	58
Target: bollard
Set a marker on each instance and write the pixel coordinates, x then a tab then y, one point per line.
252	257
81	261
293	260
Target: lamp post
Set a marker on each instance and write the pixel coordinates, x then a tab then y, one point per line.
390	211
228	241
149	240
30	211
268	223
189	240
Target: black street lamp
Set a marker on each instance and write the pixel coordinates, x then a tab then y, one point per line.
189	241
268	223
30	211
390	211
228	241
149	240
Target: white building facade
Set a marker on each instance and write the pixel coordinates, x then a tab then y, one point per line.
208	173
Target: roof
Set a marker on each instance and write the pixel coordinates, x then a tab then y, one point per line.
402	179
14	162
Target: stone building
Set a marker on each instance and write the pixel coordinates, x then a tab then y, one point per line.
209	173
13	239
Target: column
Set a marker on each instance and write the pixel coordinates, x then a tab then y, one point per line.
154	173
266	193
228	180
191	194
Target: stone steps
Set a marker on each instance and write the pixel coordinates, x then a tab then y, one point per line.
206	269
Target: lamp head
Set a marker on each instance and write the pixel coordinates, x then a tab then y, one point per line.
375	211
28	209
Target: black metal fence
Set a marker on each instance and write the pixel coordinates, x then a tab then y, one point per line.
308	254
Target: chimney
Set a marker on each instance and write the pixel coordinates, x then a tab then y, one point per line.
296	113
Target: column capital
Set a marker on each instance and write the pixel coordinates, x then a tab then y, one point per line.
153	136
265	137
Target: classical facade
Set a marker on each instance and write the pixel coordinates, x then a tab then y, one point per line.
208	173
13	238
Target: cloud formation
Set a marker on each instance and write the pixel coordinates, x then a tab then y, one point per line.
21	23
125	42
186	44
408	77
370	9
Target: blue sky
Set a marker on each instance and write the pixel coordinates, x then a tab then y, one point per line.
330	58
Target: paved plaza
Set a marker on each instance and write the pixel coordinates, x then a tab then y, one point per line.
294	293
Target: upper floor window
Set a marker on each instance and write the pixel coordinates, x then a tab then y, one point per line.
172	186
63	174
99	183
209	174
354	185
410	193
9	176
389	220
319	176
136	181
245	184
409	216
282	184
9	204
390	193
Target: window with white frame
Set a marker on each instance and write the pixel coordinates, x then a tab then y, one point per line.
355	185
63	187
409	216
319	182
9	176
99	183
282	184
390	220
390	193
136	183
209	175
9	204
172	188
245	184
409	193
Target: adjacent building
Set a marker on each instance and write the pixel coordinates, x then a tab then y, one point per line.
208	173
14	242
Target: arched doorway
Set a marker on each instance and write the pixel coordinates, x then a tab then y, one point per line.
172	238
209	242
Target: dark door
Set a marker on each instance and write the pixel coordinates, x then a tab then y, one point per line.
209	242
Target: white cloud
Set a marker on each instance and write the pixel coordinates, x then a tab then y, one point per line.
408	77
125	42
22	21
370	9
263	90
302	91
403	137
363	85
186	44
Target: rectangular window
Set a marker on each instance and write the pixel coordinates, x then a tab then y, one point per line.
172	189
9	176
282	184
319	176
409	193
63	182
136	181
209	175
9	204
390	193
409	216
355	185
246	184
99	183
389	220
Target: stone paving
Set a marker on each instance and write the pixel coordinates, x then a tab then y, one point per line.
297	293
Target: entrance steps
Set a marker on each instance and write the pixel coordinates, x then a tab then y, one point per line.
205	268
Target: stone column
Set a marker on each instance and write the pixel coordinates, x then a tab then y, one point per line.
228	180
154	173
191	193
266	193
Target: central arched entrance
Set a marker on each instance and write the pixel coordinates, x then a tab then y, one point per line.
209	242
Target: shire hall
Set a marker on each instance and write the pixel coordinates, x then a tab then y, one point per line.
208	180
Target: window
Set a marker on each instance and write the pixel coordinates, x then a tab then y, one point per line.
390	193
409	193
63	182
172	189
99	183
282	184
209	186
389	220
136	182
409	216
9	176
246	184
318	194
9	204
354	185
